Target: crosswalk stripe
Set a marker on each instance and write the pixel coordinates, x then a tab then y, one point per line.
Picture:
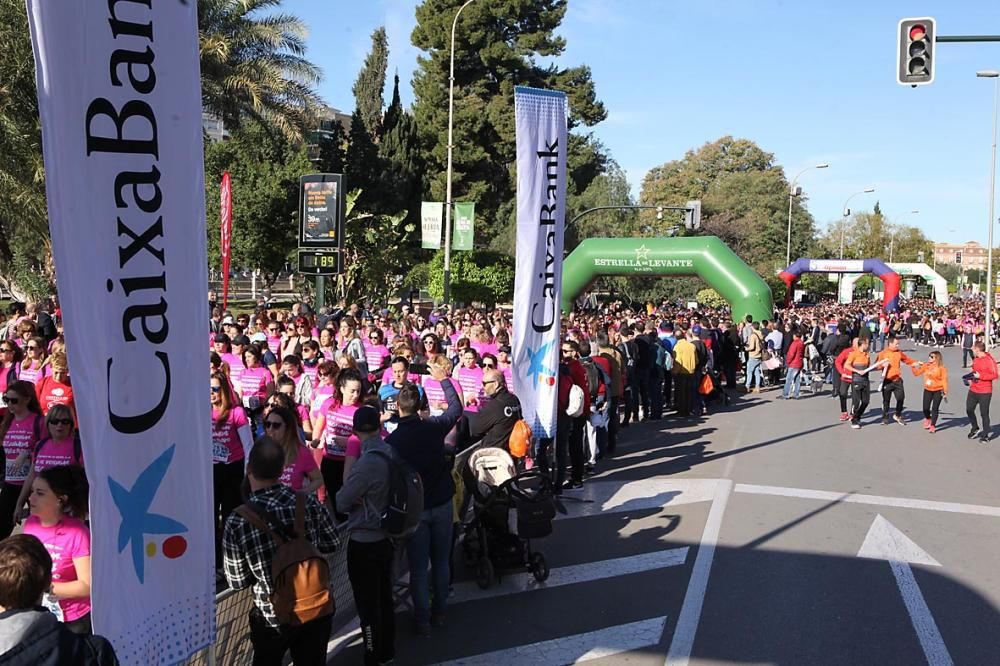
577	648
579	573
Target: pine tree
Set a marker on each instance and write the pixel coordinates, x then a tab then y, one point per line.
399	153
362	166
496	46
370	83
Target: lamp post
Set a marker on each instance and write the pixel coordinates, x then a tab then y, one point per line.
892	238
791	197
847	213
448	204
991	74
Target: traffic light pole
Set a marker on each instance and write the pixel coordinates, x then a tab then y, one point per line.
636	207
967	38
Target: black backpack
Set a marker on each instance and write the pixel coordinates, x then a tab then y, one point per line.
406	498
595	377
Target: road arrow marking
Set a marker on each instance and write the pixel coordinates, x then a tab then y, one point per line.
617	497
885	542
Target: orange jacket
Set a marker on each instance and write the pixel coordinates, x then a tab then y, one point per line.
858	360
935	376
895	358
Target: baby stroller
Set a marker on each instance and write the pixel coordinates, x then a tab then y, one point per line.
509	509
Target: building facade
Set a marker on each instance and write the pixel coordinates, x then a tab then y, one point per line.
968	255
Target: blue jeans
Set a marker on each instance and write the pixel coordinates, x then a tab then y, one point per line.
430	545
793	378
753	370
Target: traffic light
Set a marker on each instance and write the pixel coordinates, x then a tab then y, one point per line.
692	216
915	51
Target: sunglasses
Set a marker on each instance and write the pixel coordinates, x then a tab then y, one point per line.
272	330
33	347
373	337
61	422
6	350
488	365
11	399
489	381
273	425
216	389
428	342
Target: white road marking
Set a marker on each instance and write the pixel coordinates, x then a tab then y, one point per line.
616	497
694	598
885	542
570	575
852	498
575	649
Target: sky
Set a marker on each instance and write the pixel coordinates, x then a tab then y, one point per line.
811	82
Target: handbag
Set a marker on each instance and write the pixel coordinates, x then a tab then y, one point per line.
706	386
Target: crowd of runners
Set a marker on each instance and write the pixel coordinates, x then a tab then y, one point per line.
300	398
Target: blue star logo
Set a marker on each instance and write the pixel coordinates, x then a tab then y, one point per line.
536	362
133	506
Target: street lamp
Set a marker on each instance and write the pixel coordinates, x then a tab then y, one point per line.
847	213
447	205
791	197
895	230
991	74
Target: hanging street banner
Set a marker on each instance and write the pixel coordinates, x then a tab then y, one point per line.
465	214
431	213
540	122
226	232
122	140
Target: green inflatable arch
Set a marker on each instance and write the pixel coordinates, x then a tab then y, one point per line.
705	256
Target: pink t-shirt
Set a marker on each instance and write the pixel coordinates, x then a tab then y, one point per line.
484	348
254	381
311	371
508	375
434	392
375	355
34	373
339	423
274	344
321	393
303	414
55	453
66	540
471	381
236	367
226	444
295	474
21	438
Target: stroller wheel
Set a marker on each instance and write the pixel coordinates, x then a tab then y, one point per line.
538	567
484	573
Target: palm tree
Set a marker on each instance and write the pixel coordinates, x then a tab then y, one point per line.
252	65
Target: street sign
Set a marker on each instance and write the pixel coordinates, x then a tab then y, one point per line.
321	210
320	262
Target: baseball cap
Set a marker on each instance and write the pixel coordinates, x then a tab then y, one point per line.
259	336
241	340
228	319
366	419
221	337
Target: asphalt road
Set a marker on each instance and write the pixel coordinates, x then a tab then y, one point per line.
765	533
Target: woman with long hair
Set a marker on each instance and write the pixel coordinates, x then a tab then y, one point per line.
301	471
377	355
58	502
256	381
20	431
10	364
328	344
311	358
349	344
34	365
935	387
60	446
334	428
275	335
231	441
469	376
299	333
56	388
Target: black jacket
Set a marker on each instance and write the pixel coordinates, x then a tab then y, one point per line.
43	641
496	420
420	442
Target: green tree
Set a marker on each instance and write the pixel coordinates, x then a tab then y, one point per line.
26	268
253	65
482	276
744	196
710	298
497	46
368	86
610	188
362	168
265	169
399	153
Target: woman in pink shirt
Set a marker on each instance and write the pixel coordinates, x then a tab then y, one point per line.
335	427
256	381
20	431
376	353
231	441
60	446
327	344
281	425
33	367
58	503
10	366
470	380
274	331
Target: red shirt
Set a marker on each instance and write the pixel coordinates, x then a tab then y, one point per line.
796	352
605	365
50	392
986	366
845	376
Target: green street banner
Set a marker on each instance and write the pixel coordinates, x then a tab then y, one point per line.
464	218
431	213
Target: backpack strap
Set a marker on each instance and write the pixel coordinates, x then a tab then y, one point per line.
255	519
300	515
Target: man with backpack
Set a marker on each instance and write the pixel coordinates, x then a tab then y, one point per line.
598	378
420	442
496	418
275	543
574	410
365	497
616	364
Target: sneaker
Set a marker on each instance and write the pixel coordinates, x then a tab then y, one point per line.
931	429
927	424
855	425
572	485
972	433
984	438
898	418
885	420
845	416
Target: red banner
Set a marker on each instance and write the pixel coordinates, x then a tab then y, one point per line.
227	232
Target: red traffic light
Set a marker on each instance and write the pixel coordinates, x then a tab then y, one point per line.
917	32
